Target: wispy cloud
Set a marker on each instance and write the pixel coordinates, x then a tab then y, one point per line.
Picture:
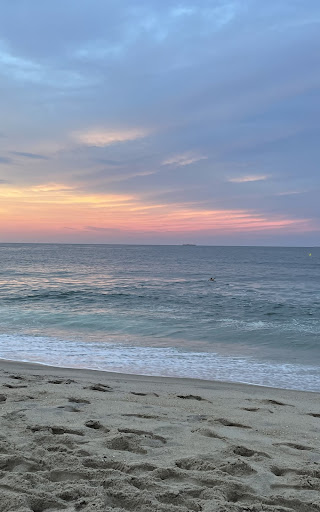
183	159
248	178
183	11
28	70
5	160
61	194
290	193
34	156
46	207
51	187
102	138
18	67
100	229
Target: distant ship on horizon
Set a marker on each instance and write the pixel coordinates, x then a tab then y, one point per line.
193	245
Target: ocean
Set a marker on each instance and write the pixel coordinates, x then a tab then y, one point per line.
152	310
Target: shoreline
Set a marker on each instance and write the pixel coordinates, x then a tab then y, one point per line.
173	379
83	440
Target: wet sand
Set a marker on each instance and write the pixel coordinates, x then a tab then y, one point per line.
81	440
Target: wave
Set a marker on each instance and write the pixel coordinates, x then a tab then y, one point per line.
40	296
61	295
312	326
167	362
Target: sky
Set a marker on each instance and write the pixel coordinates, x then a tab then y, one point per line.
160	122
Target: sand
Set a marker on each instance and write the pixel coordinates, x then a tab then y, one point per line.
78	440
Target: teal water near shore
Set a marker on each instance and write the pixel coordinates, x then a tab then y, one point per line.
152	310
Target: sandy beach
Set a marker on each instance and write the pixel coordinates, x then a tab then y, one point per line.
79	440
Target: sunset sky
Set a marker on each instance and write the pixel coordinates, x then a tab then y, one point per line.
160	121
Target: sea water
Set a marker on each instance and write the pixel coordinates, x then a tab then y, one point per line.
152	310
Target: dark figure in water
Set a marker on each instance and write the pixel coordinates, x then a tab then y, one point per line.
212	279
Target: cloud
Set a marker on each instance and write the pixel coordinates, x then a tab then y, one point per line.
34	156
108	161
167	103
5	160
100	229
51	187
183	11
291	193
18	67
248	178
183	159
25	70
102	138
133	212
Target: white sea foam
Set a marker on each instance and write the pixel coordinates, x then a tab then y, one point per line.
167	362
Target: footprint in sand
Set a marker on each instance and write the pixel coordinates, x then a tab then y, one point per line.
135	441
300	447
281	471
206	432
126	443
243	451
256	409
67	476
143	394
143	433
17	386
197	464
61	381
96	425
237	468
18	464
228	423
78	400
143	416
104	388
193	397
197	417
275	402
69	408
55	430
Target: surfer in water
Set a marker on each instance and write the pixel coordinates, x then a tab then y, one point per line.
212	279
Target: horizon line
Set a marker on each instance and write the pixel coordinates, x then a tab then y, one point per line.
162	245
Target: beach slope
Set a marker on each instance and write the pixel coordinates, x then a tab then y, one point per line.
80	440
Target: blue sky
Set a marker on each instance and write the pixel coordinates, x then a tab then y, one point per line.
160	121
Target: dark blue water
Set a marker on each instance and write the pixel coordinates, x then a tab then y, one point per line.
152	310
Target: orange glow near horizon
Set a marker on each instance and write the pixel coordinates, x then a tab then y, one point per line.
53	209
